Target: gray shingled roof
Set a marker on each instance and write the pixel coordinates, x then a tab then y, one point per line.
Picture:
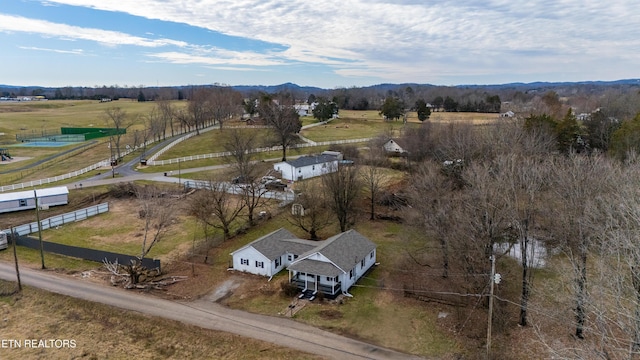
315	267
345	250
281	242
311	160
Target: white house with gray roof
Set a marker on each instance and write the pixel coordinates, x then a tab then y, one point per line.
306	167
330	266
271	253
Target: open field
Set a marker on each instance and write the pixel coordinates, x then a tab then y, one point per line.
36	117
102	332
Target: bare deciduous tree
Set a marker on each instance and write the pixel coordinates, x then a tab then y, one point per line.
240	144
225	104
342	187
157	211
315	213
432	196
117	118
524	180
284	121
578	183
168	114
199	108
374	179
217	206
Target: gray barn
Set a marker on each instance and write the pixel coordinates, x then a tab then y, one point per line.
25	200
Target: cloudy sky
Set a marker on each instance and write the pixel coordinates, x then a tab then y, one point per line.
325	43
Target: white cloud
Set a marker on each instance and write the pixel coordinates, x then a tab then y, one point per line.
221	58
9	23
73	51
401	40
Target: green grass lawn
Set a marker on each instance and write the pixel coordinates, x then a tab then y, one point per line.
355	125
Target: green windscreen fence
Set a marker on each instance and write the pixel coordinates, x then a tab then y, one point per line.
93	133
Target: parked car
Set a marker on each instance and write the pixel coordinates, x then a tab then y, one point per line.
3	240
275	185
239	180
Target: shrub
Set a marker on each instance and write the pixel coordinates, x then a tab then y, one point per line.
289	289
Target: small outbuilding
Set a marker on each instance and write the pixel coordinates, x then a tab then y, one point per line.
391	146
25	200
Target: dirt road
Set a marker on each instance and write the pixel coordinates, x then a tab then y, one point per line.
207	314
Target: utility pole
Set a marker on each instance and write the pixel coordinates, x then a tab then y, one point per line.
15	257
35	194
492	280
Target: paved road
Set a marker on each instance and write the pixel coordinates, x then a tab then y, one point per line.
210	315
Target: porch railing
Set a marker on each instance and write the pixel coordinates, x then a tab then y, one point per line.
326	289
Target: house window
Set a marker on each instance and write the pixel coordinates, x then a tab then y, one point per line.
244	261
22	202
329	278
362	264
299	171
260	264
289	257
351	274
371	255
313	167
277	262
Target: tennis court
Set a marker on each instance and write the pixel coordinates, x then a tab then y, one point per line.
39	143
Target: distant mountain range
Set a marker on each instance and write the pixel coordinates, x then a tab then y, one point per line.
379	87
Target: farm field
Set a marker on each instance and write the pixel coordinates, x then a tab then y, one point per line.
38	117
99	331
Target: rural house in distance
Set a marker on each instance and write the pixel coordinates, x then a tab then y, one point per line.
306	167
329	267
392	147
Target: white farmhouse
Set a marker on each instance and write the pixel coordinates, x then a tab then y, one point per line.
335	265
330	266
271	253
306	167
24	200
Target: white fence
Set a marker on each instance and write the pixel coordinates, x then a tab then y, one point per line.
54	221
176	142
101	164
33	183
265	149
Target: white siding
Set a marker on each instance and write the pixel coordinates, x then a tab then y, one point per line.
358	270
25	200
304	172
392	146
248	260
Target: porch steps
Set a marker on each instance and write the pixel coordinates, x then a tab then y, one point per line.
308	294
295	306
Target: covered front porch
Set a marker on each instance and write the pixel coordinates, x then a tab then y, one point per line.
313	283
316	277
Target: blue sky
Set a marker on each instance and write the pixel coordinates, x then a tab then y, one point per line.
322	43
